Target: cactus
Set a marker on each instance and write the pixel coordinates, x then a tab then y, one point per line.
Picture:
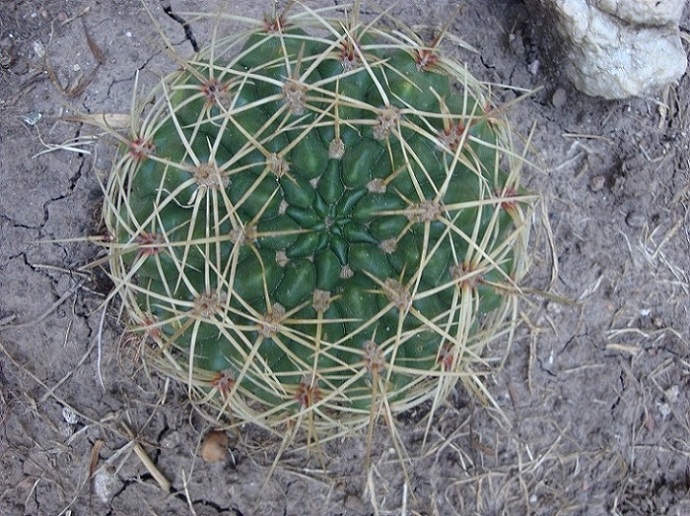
317	220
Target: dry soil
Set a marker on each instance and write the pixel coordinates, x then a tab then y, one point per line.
593	394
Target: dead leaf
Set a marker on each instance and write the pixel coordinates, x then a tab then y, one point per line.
215	446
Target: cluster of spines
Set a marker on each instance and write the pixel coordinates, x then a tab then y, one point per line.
209	181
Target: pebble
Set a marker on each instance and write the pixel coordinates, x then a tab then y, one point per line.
635	219
533	67
170	440
671	394
554	308
559	98
597	183
106	483
355	504
516	45
70	416
39	49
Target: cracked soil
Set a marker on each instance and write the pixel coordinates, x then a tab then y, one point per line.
594	392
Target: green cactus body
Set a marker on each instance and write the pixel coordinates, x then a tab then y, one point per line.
317	224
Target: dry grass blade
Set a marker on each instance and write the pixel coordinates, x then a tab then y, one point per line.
141	454
93	464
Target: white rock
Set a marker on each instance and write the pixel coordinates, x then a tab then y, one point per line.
70	416
106	483
615	48
644	12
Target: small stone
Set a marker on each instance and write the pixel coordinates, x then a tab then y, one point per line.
516	45
671	394
70	416
31	118
215	446
170	440
106	483
554	308
597	183
559	98
635	219
39	49
664	409
355	504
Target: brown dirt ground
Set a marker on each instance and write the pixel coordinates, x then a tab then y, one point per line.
595	391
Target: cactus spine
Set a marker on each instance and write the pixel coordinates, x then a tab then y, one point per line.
318	220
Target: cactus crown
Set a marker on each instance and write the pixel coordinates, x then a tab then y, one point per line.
317	218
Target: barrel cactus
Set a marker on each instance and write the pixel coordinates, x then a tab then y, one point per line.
317	220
